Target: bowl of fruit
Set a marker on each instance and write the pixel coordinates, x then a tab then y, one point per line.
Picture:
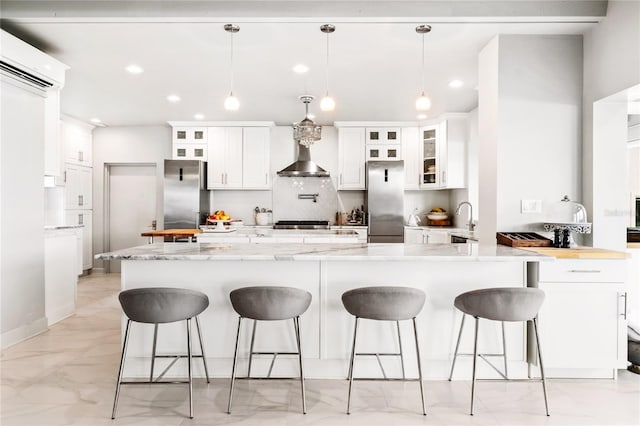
437	213
219	217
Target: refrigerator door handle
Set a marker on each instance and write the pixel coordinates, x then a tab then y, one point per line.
181	178
386	175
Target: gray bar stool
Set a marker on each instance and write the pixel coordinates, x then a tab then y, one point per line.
161	305
266	303
384	304
500	304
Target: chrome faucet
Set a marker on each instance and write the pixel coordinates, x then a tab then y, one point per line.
470	225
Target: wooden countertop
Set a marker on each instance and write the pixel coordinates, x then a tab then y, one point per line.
578	253
172	233
633	245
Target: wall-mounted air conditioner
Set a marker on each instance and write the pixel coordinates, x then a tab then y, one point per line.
24	65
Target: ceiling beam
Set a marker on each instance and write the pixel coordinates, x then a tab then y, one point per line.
303	11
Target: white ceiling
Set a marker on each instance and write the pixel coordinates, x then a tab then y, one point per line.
374	68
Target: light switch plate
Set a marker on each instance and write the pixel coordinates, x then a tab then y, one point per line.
531	206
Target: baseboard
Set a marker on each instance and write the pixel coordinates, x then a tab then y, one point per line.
22	333
95	271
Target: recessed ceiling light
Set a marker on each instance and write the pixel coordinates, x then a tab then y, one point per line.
198	116
300	68
173	98
96	121
134	69
422	116
456	83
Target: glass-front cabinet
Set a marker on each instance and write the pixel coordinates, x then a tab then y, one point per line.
429	141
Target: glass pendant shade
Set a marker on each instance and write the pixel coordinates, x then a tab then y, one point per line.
306	132
423	103
327	103
231	103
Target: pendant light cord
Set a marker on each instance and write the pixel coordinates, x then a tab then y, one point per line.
231	57
327	68
423	63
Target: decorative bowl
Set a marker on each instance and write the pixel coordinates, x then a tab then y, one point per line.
437	216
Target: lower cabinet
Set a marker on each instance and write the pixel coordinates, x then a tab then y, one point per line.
583	319
84	218
61	264
426	236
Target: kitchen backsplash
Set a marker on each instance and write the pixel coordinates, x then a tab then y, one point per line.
288	206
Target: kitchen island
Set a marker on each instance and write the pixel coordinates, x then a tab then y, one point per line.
326	271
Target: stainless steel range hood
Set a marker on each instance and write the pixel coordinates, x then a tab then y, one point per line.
303	166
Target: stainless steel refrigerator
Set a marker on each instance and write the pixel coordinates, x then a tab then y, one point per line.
385	201
186	199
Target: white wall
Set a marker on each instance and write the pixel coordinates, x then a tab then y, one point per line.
530	126
126	145
22	217
611	65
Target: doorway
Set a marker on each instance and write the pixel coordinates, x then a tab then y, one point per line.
130	207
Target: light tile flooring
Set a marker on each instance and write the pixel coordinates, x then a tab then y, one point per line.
66	376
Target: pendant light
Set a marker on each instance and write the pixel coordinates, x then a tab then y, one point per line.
306	132
327	103
423	103
231	103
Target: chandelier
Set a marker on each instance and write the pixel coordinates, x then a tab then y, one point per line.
306	132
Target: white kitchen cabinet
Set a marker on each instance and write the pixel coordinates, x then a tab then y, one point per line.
351	158
190	152
383	135
53	146
256	151
77	141
84	218
238	157
426	236
61	264
582	322
189	135
411	155
78	187
224	170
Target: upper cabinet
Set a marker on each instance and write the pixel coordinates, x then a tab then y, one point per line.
189	143
351	158
77	144
436	158
239	158
383	135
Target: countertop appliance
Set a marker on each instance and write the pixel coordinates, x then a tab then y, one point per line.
302	224
186	199
385	201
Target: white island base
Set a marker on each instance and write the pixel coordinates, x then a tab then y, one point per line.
442	272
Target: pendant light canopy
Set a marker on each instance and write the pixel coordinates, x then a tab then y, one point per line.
306	132
327	103
423	103
231	103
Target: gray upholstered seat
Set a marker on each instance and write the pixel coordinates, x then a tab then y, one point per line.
384	303
267	303
501	304
159	305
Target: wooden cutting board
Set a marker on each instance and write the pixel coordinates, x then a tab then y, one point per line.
172	233
578	252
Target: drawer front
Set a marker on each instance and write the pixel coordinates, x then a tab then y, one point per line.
584	270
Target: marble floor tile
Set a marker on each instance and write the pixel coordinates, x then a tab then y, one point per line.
66	376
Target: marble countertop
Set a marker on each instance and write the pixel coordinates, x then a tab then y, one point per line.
270	232
334	252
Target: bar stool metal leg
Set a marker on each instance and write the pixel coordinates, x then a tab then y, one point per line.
121	369
204	357
504	351
233	369
400	347
353	355
475	358
189	368
415	332
253	339
544	381
296	325
153	351
455	354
